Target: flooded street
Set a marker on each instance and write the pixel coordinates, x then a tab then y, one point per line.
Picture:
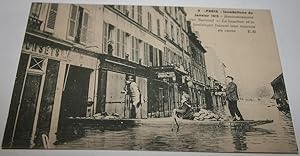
156	134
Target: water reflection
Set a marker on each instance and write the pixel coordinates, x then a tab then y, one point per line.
239	138
192	136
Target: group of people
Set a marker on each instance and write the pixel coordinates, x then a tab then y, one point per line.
231	95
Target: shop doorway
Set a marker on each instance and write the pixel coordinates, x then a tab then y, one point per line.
74	96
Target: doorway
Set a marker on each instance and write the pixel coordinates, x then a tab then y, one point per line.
74	96
27	111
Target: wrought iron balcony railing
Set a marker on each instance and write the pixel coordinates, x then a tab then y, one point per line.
34	23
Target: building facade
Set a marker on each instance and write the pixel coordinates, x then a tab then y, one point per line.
76	58
198	70
216	75
56	73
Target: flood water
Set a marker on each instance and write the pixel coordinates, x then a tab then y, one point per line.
276	137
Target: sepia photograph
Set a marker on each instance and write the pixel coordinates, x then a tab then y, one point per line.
149	78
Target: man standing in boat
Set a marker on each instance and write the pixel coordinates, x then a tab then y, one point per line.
134	93
232	98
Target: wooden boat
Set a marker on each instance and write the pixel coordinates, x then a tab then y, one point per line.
170	120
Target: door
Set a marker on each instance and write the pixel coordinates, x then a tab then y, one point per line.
27	111
142	85
29	100
115	99
161	102
74	97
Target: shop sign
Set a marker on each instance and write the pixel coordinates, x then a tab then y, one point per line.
46	50
165	74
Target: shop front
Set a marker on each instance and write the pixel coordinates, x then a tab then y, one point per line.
112	83
53	82
165	89
35	92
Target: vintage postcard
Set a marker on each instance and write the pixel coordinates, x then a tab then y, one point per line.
129	77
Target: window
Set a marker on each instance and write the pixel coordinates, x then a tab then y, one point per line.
180	20
35	10
108	40
132	12
140	15
149	22
118	49
184	23
78	24
51	17
187	41
160	58
132	48
166	27
124	44
175	8
146	49
155	57
151	55
137	50
72	21
172	31
166	9
178	36
36	64
158	27
182	40
118	7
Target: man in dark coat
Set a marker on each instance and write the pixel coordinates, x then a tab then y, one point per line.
232	98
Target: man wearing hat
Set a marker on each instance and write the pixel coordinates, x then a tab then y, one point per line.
135	96
232	98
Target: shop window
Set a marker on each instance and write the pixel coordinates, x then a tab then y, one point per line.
78	24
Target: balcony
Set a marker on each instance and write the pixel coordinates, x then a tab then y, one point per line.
34	23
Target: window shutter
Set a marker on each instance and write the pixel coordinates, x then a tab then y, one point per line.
118	43
105	36
51	17
84	27
72	22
